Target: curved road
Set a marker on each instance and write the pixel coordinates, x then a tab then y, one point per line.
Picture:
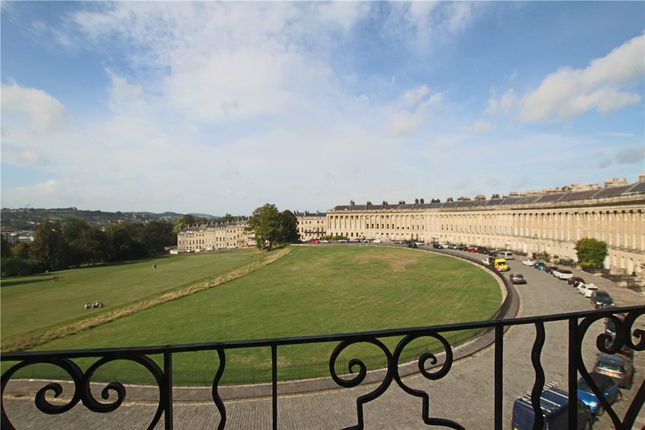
465	395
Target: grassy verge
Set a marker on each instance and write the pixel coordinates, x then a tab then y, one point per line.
33	340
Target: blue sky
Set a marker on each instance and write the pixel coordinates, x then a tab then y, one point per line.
222	107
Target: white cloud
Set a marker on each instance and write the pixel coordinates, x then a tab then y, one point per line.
414	109
503	104
481	126
43	112
568	92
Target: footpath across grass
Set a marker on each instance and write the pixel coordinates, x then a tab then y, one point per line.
33	303
312	290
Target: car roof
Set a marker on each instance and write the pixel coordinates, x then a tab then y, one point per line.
611	358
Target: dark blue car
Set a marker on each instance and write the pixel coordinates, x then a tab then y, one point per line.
605	384
555	406
541	266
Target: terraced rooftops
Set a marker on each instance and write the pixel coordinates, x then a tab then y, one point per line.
571	197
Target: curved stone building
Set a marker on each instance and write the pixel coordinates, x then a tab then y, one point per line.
548	221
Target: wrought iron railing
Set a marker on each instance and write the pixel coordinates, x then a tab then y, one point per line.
428	364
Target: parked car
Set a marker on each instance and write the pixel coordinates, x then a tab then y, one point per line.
551	269
528	262
563	274
601	299
482	250
540	266
472	249
437	245
517	278
555	409
462	247
606	385
411	245
574	281
508	255
587	289
376	241
617	367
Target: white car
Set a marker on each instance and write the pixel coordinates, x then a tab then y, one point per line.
563	274
528	262
507	255
587	289
376	241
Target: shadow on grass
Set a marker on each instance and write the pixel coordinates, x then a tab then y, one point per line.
15	281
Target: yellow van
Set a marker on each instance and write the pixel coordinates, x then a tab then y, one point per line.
500	264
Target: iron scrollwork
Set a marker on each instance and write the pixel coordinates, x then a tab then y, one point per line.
82	389
611	344
358	368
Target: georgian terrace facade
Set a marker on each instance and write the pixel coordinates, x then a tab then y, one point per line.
311	225
210	237
550	222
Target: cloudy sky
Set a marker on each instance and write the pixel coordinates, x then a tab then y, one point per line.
215	108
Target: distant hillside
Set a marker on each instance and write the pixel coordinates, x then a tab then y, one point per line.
29	218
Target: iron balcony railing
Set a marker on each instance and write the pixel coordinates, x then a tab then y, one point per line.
578	323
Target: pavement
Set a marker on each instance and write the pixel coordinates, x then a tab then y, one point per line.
465	394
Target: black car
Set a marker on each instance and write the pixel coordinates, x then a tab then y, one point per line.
437	246
574	281
601	299
411	245
482	250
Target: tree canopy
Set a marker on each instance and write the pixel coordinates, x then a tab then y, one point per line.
271	227
591	252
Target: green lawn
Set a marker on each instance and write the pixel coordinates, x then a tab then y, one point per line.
33	303
312	290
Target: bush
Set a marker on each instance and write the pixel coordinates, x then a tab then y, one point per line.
591	253
16	266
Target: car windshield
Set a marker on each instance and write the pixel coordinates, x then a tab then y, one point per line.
601	295
609	366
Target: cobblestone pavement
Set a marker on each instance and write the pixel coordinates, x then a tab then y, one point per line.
465	395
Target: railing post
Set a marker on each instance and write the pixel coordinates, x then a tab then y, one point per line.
499	374
573	373
167	389
274	384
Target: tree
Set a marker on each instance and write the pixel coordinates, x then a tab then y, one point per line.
49	247
95	244
182	222
5	248
228	218
76	250
126	242
21	250
157	235
265	222
591	252
288	227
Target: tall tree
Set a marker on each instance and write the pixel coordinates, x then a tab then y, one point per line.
76	250
5	248
288	227
591	252
49	247
157	235
266	226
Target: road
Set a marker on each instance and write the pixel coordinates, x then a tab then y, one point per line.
465	395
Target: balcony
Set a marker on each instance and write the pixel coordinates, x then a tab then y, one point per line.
432	367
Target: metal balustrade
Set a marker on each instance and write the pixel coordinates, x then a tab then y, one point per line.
428	365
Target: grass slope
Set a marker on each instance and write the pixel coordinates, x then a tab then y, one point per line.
33	303
313	290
